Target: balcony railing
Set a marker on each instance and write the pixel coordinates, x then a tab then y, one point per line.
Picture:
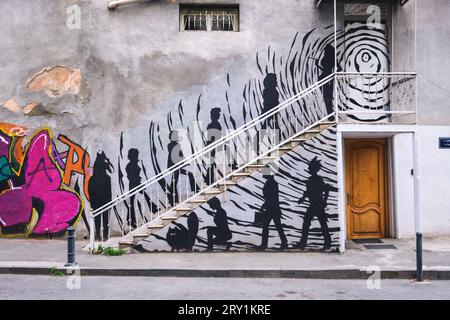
386	98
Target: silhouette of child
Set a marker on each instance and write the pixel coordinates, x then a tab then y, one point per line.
134	179
221	233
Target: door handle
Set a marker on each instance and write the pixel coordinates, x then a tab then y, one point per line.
349	198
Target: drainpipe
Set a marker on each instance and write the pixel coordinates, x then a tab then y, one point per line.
114	4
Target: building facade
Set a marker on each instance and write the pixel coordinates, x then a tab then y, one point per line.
325	121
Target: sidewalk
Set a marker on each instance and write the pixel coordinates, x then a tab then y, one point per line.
20	256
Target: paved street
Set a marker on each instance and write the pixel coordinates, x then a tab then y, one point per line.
52	287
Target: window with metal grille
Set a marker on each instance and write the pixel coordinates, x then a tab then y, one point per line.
210	18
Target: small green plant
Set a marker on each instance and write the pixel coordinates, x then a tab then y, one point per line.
56	273
113	251
98	250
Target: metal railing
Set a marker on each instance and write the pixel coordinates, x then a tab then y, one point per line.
377	97
220	160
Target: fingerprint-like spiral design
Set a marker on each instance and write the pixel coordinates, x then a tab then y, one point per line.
361	48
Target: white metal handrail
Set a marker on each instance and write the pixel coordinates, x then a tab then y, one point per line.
212	146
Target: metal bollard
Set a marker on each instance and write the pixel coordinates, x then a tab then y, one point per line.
70	247
419	271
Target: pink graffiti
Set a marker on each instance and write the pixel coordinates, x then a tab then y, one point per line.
42	191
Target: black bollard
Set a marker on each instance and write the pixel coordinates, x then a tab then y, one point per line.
70	247
419	271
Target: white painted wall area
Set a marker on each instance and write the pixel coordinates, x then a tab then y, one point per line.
434	181
402	185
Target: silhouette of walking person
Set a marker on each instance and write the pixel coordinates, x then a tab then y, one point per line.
134	178
271	99
221	233
99	189
214	132
316	192
326	67
272	210
176	155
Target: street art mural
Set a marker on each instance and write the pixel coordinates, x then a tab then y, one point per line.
291	204
34	199
309	59
295	206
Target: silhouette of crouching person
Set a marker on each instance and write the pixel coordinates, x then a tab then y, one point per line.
221	233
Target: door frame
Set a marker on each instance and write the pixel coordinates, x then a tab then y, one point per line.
387	180
372	130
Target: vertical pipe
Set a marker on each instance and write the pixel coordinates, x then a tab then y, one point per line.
341	192
92	232
335	62
417	202
417	205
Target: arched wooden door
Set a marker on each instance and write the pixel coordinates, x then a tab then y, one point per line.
366	188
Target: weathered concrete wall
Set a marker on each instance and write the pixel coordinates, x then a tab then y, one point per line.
103	84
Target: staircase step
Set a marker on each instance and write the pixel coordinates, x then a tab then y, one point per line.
241	175
155	226
198	201
184	209
140	236
267	160
212	192
227	182
126	243
169	218
299	140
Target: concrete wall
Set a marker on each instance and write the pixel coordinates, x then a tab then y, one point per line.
434	183
123	70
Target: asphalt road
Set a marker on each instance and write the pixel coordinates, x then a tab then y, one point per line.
58	287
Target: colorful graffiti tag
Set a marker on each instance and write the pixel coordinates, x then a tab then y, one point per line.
35	198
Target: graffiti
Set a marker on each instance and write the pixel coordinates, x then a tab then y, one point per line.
76	161
36	201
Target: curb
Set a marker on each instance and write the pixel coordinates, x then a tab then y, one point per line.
234	273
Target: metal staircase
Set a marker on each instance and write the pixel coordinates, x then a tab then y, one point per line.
236	156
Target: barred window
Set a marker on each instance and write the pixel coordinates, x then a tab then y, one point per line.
211	18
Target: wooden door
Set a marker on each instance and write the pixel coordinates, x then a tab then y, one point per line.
366	188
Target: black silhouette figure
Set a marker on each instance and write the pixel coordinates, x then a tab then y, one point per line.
214	132
272	211
175	156
326	67
134	178
182	238
271	99
316	192
99	189
221	233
